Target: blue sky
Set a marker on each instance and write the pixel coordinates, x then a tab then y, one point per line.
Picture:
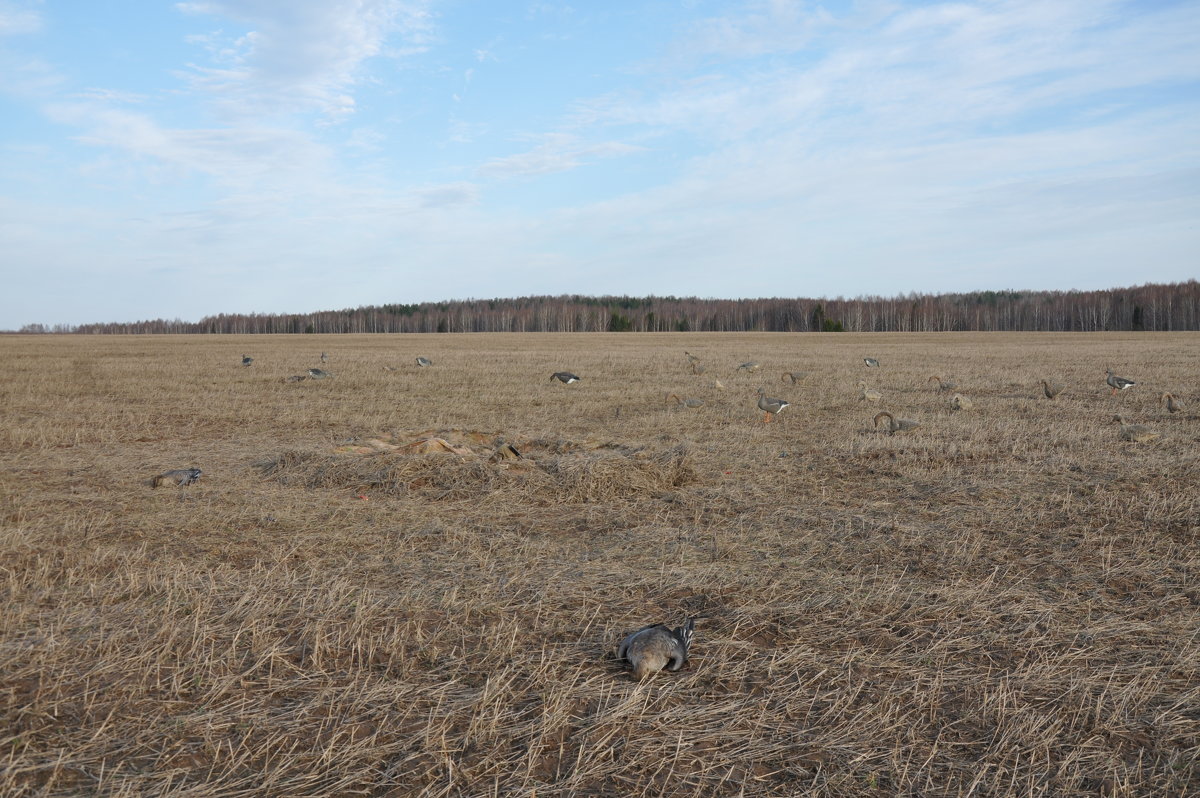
180	159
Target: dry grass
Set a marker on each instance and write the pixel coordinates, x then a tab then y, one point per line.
1003	602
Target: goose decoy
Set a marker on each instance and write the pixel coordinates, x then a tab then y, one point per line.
894	424
655	647
247	360
424	361
1138	433
793	376
871	362
180	477
691	358
324	357
866	394
565	377
1051	390
319	374
750	366
1118	383
960	402
943	385
693	403
1172	404
769	406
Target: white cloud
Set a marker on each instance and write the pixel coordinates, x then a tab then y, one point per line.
18	19
558	152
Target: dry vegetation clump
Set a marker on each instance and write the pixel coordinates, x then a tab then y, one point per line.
359	597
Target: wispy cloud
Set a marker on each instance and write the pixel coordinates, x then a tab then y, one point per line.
17	19
558	152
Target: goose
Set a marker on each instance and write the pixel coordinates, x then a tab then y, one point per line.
657	647
564	377
871	362
424	361
691	358
1137	433
319	374
750	366
894	424
867	394
180	476
960	402
943	385
698	368
693	403
324	357
1050	390
794	376
769	406
1118	383
247	360
1173	405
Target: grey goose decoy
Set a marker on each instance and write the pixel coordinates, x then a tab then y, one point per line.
424	361
179	476
324	357
319	374
657	647
750	366
1051	390
866	394
247	360
960	402
871	362
943	385
565	377
894	424
689	402
1172	404
770	407
1138	433
1118	383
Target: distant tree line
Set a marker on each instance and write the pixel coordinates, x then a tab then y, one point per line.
1174	306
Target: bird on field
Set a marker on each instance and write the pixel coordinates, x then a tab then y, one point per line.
692	403
657	647
770	407
247	360
1051	390
180	476
750	366
319	374
1138	433
793	376
424	361
943	386
866	394
504	451
565	377
871	362
894	424
324	357
1172	404
698	368
691	358
1118	383
960	402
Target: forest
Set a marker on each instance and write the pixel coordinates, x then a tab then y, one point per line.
1150	307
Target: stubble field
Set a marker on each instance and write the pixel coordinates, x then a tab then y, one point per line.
359	598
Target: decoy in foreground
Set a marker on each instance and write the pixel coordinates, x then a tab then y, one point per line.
1118	383
871	362
769	406
564	377
866	394
319	374
247	360
655	647
692	403
424	361
894	424
943	385
180	477
1172	404
960	402
1138	433
1050	390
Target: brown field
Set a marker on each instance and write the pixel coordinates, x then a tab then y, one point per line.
1004	602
